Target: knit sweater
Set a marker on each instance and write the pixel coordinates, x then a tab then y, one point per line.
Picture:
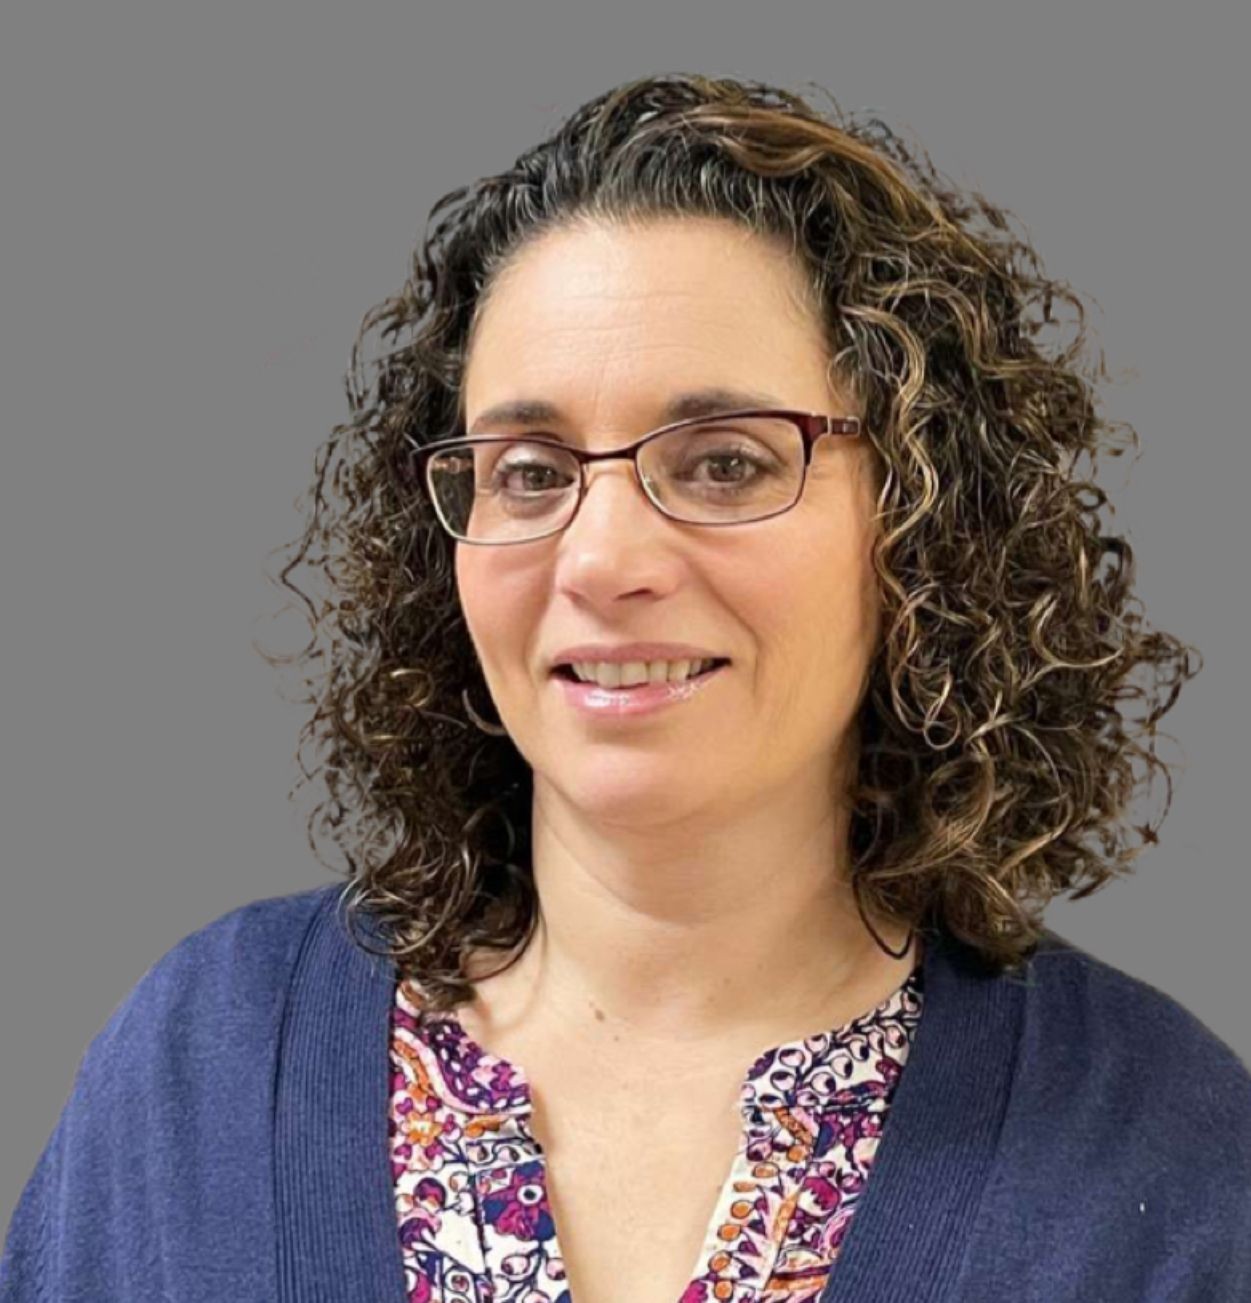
1065	1133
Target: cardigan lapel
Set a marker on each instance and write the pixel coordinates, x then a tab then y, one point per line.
338	1235
907	1239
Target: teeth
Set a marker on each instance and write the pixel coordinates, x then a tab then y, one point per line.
617	674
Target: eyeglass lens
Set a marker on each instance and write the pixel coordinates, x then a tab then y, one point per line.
720	471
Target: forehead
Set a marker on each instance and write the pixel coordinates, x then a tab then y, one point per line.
611	273
673	306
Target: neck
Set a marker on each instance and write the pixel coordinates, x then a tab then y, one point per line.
744	938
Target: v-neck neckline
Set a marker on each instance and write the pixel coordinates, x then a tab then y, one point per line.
338	1234
809	1085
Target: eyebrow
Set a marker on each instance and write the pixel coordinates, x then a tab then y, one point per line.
697	402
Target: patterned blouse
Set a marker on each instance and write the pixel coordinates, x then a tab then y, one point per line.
470	1187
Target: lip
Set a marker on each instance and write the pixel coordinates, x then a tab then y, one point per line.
598	702
634	651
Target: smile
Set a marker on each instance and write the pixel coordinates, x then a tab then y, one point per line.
597	701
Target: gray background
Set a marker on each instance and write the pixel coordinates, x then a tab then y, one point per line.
198	202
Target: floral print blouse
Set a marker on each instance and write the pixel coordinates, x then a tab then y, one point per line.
470	1187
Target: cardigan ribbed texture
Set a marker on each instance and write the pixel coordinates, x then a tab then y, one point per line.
1067	1133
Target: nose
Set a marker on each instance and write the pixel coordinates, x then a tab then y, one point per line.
612	508
616	546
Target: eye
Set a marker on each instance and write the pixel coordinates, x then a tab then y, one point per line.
526	472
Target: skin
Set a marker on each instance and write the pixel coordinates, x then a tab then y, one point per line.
691	865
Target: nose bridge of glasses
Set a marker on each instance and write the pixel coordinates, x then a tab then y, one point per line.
622	464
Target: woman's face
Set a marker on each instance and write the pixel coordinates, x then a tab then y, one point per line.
609	325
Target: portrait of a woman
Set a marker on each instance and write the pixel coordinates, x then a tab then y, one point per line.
725	663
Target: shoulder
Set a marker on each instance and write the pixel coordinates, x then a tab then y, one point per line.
1085	1012
243	944
1123	1165
165	1136
217	990
1118	1080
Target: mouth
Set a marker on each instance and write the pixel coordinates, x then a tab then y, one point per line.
566	672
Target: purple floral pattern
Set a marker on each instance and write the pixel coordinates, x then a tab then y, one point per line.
470	1186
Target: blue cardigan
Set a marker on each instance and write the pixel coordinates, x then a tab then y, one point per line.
1071	1133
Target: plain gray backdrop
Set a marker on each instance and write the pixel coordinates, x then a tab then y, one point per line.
198	203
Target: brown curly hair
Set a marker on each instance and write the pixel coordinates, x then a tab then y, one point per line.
994	736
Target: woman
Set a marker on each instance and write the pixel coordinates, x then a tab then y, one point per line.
746	993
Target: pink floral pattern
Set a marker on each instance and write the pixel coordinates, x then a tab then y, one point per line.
470	1187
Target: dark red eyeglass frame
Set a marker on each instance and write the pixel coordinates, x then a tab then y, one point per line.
811	425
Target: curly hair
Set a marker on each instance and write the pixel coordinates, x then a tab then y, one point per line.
995	741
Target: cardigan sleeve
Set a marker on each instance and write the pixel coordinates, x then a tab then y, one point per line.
24	1273
1125	1161
71	1189
78	1231
160	1155
1215	1266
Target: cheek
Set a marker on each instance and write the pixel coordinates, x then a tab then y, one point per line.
477	591
820	616
464	581
469	586
500	602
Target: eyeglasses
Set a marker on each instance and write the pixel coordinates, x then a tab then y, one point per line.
498	489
